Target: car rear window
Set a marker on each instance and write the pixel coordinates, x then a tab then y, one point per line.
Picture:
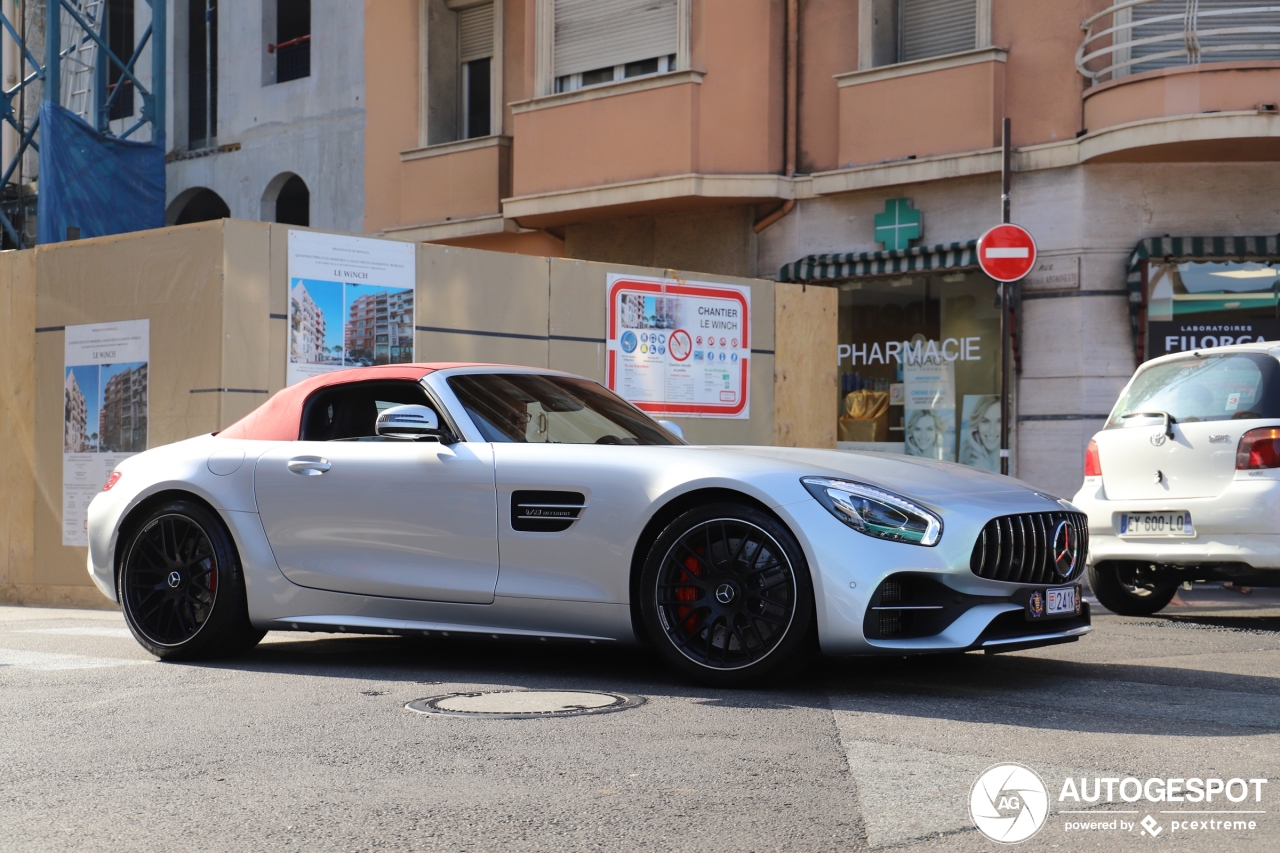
1235	386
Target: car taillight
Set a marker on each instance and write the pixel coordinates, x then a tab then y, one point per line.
1092	462
1259	448
111	481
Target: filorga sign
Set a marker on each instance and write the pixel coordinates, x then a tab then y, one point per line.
1164	336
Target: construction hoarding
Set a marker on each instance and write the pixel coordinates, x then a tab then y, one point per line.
215	298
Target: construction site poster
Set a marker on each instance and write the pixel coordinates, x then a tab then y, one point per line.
104	412
680	348
350	302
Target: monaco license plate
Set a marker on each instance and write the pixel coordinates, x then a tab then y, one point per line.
1156	524
1060	601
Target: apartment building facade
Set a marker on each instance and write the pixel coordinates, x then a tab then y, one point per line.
267	112
380	328
123	427
857	144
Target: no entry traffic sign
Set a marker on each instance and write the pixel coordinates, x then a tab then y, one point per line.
1007	252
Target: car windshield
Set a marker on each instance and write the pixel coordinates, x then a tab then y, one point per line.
530	407
1236	386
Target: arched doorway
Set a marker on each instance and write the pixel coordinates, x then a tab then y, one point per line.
287	200
197	204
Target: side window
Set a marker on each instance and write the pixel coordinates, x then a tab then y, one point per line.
350	411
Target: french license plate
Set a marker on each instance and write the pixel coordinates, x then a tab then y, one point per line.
1156	524
1060	601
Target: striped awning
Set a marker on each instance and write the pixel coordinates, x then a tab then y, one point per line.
1202	248
837	267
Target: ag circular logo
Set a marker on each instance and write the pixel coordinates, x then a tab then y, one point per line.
628	341
1009	803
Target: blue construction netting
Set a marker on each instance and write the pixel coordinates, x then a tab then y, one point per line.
95	183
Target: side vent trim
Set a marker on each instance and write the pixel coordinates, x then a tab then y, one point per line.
545	511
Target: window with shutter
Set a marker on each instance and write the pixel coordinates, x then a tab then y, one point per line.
475	32
1167	21
598	41
929	28
475	51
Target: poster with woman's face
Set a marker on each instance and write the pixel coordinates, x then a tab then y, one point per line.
931	433
980	431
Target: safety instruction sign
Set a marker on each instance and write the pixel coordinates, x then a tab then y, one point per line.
680	347
105	411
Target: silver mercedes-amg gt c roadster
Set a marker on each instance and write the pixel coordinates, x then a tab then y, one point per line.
453	500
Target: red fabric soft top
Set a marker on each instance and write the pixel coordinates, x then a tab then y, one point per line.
280	418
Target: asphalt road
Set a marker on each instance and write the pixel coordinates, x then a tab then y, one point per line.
306	743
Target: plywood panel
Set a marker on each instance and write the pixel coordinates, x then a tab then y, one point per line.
481	291
805	382
17	418
172	277
246	321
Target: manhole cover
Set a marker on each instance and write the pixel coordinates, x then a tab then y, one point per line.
522	704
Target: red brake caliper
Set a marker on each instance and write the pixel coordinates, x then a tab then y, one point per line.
688	593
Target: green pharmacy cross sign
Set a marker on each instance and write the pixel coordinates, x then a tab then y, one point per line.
898	225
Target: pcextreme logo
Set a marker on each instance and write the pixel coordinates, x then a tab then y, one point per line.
1009	803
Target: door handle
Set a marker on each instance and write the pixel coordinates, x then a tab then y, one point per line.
309	466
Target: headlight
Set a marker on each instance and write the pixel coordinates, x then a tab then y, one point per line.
875	512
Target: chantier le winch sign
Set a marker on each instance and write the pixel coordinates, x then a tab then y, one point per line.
680	347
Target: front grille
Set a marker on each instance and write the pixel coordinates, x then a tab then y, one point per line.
1019	548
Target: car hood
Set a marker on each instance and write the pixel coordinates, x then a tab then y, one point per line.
926	479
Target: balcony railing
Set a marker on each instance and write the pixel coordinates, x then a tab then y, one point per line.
1143	35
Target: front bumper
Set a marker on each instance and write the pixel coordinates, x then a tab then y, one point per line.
849	569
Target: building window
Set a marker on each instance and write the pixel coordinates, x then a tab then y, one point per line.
475	53
196	205
461	79
893	31
919	362
601	41
597	76
928	28
292	47
293	204
202	73
120	40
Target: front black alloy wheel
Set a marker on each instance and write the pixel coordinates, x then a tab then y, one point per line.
181	585
726	594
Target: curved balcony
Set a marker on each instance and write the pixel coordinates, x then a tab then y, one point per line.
1139	36
1184	79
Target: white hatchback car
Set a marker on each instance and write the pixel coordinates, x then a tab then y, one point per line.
1183	482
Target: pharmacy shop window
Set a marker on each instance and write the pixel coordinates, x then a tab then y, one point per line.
919	362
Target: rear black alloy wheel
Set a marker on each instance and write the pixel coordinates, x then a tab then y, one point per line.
1119	588
181	586
726	594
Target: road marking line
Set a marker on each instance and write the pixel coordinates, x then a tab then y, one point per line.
122	633
21	659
